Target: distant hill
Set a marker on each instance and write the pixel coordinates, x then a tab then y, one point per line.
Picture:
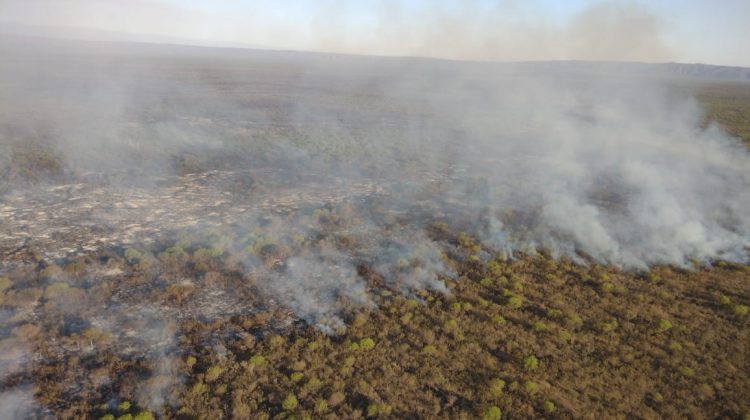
16	37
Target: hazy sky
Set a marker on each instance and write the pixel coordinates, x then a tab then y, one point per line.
715	32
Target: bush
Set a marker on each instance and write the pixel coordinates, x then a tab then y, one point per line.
207	253
530	387
492	413
608	326
687	371
741	309
257	360
607	287
429	350
549	406
574	320
144	415
496	387
366	344
321	406
375	409
124	406
564	335
290	402
175	252
530	363
213	373
664	325
133	255
514	302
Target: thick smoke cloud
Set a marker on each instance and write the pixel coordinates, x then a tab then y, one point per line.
611	165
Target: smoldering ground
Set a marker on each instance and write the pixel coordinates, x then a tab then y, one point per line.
173	184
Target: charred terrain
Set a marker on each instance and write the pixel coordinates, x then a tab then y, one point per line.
216	233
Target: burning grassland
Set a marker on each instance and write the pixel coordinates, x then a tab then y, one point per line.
278	235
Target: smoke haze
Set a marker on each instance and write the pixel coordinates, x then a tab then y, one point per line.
484	30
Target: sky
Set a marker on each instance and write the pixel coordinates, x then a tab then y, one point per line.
713	32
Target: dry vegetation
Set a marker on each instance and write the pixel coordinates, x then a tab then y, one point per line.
729	106
529	337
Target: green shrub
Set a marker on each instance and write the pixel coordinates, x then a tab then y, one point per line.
276	341
296	376
376	409
741	309
555	314
549	406
290	402
607	287
725	300
530	387
530	363
213	373
564	335
206	253
125	417
540	326
321	406
257	360
429	350
124	406
496	387
514	302
107	417
664	325
498	319
173	252
144	415
492	413
687	371
574	320
133	255
608	326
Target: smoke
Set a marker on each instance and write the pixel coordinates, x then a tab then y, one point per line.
316	180
17	404
469	30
